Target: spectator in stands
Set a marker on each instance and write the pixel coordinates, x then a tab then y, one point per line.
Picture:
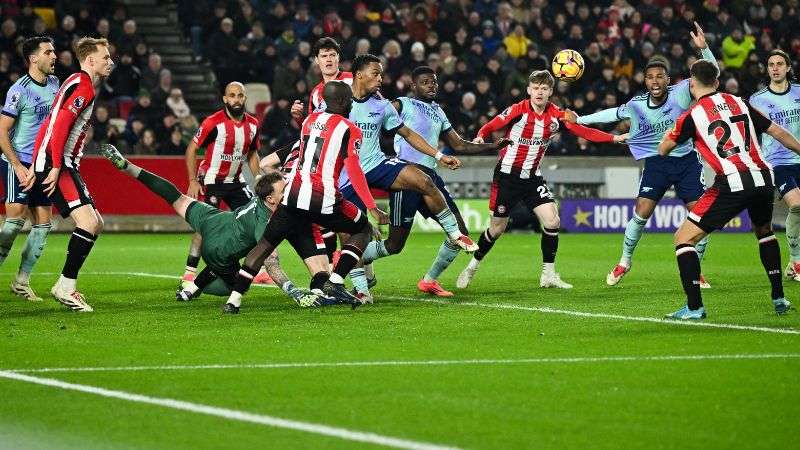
536	61
418	26
732	86
177	104
8	73
8	35
133	131
152	73
124	80
165	126
736	47
26	18
491	41
221	51
516	42
278	128
394	56
118	19
245	19
285	78
258	40
363	47
104	131
145	111
84	20
103	29
278	18
64	36
286	43
162	91
302	22
65	65
129	39
464	118
173	145
147	144
485	96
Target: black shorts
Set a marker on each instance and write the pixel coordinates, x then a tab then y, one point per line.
509	190
718	206
70	192
298	226
234	195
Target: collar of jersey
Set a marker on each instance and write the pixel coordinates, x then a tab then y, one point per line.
33	80
363	99
659	105
788	88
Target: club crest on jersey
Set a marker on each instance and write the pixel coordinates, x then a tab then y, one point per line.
553	127
501	209
505	112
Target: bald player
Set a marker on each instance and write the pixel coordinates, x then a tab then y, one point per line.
230	137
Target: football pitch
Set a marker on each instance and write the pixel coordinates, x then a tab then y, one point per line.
503	365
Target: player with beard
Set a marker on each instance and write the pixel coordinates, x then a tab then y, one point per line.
230	137
651	116
27	103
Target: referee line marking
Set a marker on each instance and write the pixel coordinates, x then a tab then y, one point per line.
543	309
231	414
441	362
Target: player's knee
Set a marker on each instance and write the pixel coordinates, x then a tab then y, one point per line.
762	230
394	245
497	229
553	223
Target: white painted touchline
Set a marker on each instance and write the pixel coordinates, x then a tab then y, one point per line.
232	414
567	312
442	362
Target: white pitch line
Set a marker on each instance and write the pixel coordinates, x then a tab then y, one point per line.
443	362
545	310
567	312
232	414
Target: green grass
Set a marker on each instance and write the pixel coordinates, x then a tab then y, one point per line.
718	403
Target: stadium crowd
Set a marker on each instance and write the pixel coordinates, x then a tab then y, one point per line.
482	50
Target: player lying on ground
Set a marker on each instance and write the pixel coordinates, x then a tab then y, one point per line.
230	138
56	159
423	115
27	103
329	142
372	114
652	115
725	130
228	235
779	102
531	125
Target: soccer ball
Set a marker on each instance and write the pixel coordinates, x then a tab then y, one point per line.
567	65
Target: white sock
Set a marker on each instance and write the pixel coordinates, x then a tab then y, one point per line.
473	264
336	278
191	287
369	271
625	261
235	299
548	268
23	278
68	284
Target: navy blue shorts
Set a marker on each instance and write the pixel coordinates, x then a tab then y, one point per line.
13	191
786	178
404	205
662	172
381	176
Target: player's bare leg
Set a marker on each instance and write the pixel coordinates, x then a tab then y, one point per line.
497	226
193	260
413	179
303	298
551	224
88	225
792	200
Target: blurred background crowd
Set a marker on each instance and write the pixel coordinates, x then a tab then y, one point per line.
482	50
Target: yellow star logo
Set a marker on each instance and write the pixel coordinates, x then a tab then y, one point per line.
582	218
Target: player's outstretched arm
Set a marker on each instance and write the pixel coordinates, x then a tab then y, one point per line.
783	136
419	143
608	115
594	135
269	163
457	143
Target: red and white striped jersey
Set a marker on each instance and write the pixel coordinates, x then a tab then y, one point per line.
725	130
228	145
327	140
288	155
531	133
61	138
315	101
